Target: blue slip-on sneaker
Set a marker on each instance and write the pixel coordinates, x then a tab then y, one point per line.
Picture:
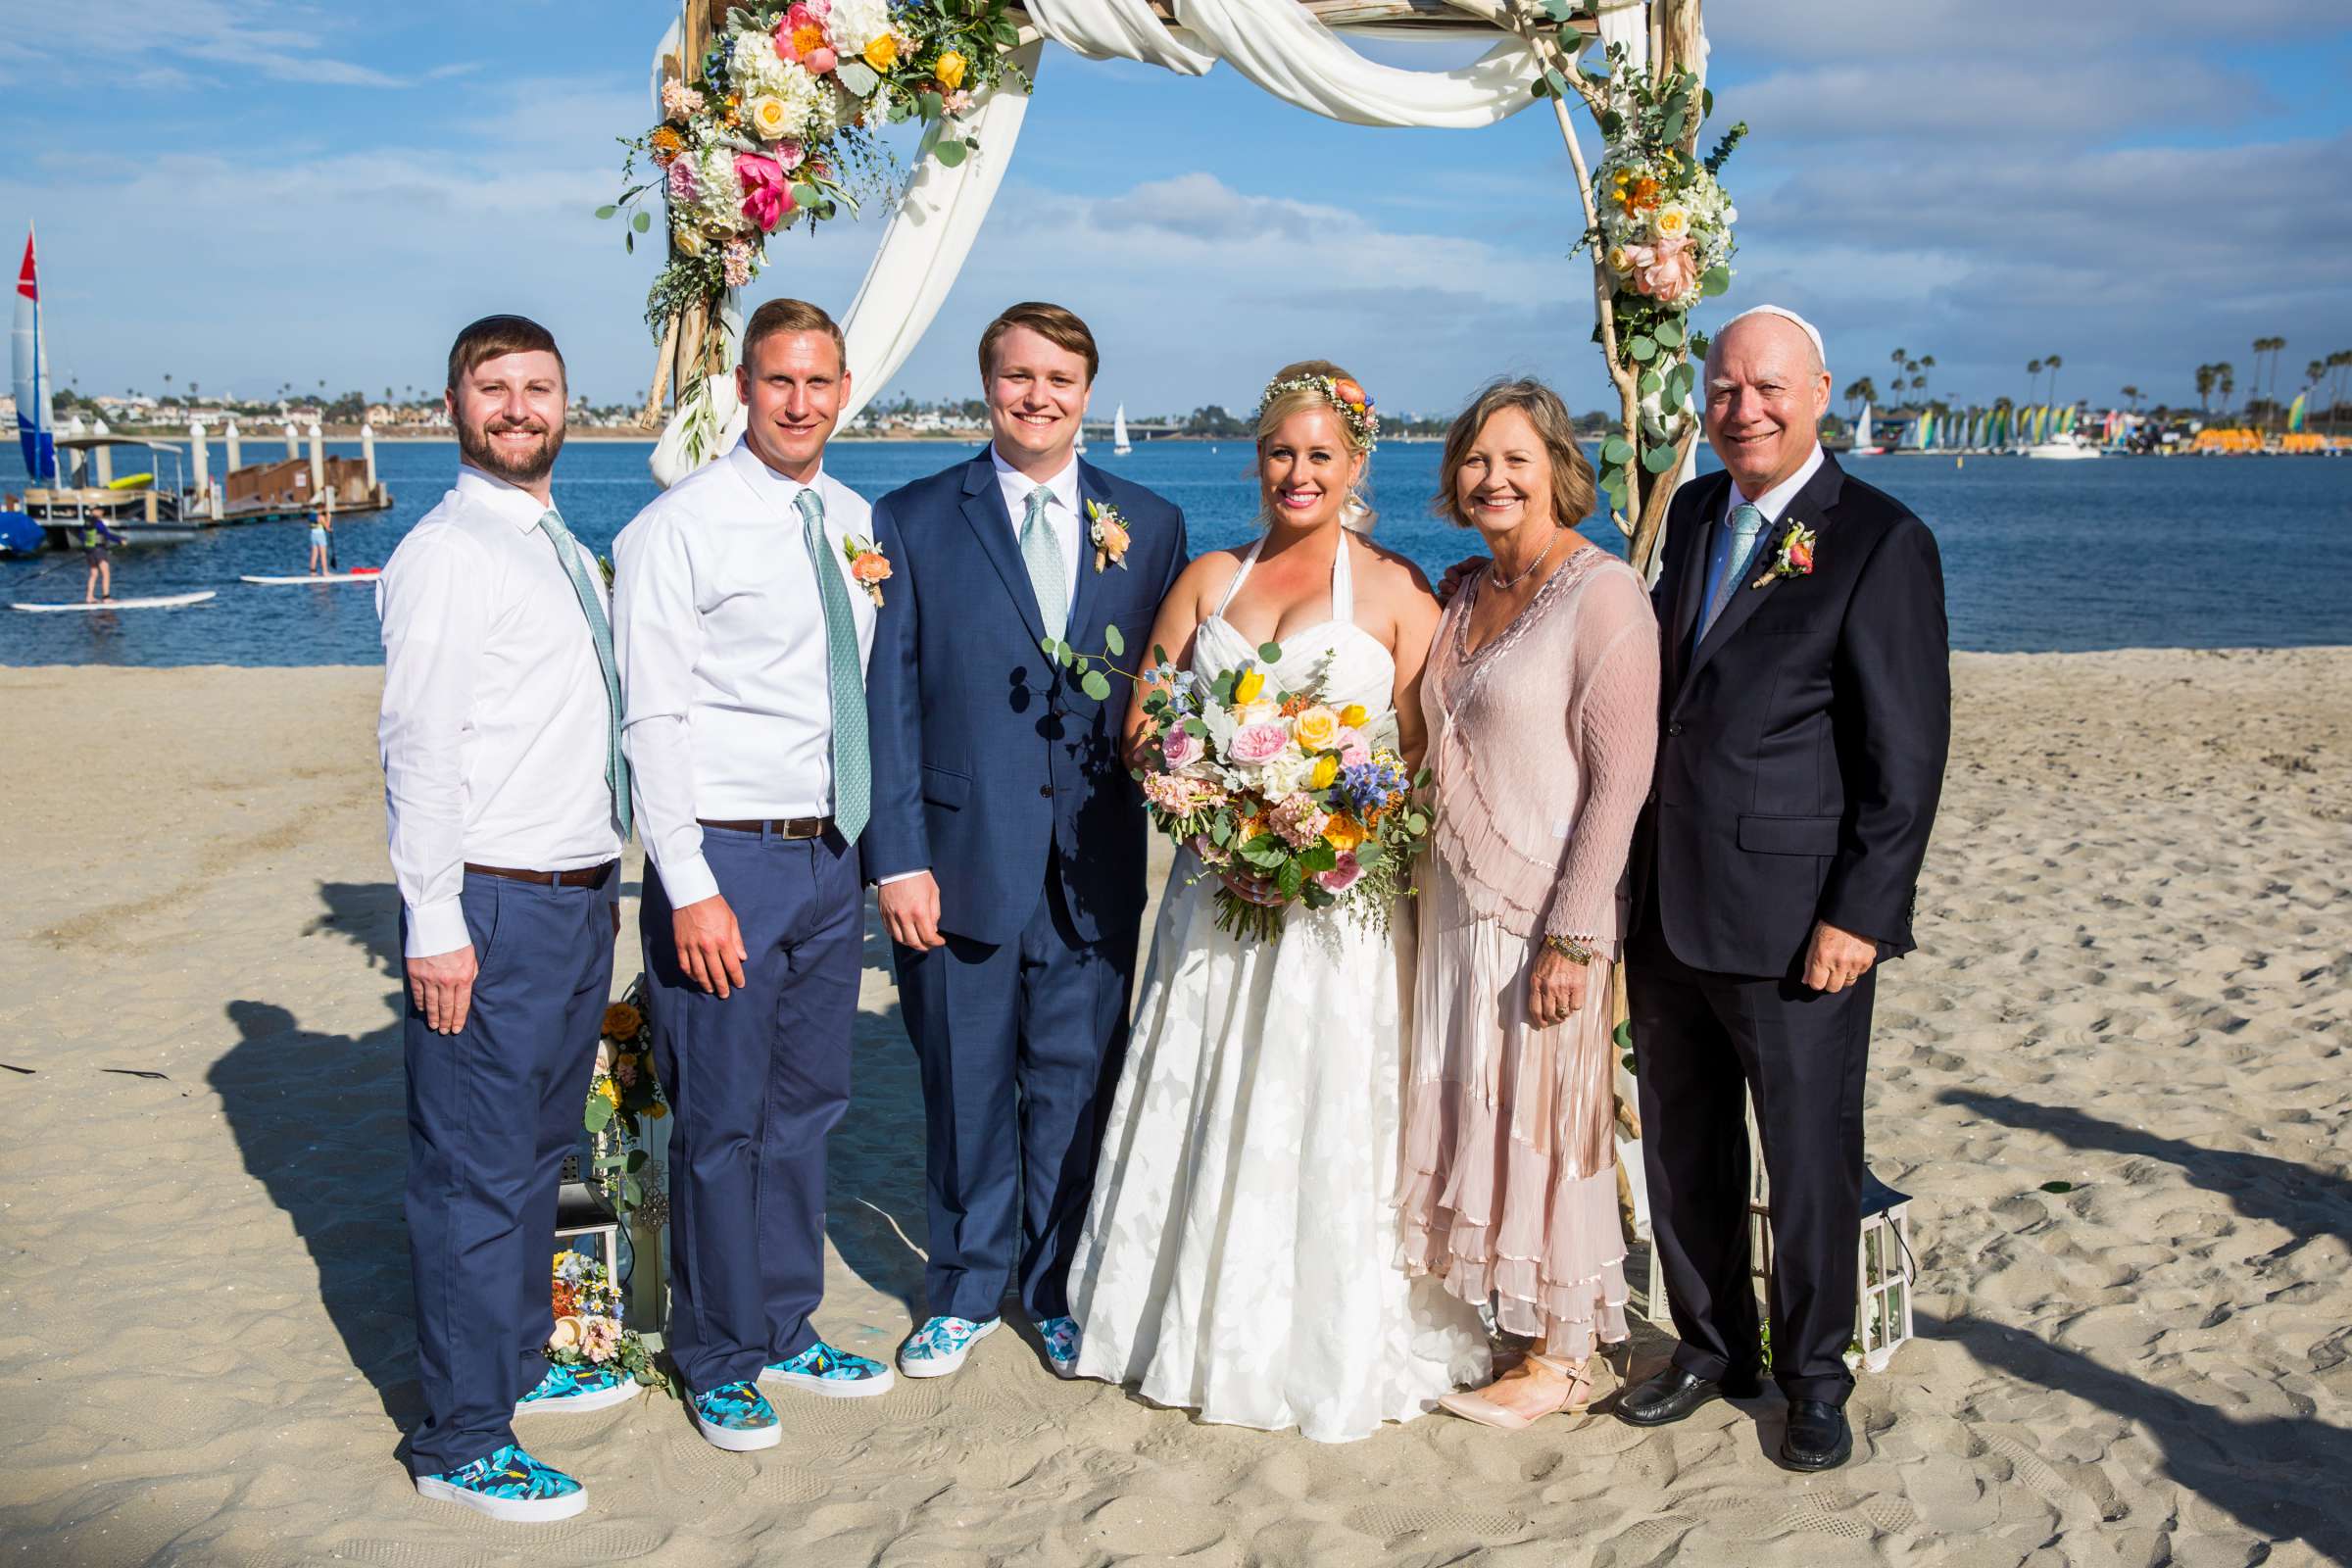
578	1389
835	1374
737	1417
1060	1334
939	1345
508	1484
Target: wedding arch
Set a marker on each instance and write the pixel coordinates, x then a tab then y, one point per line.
766	116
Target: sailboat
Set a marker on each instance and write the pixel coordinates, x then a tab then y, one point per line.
1864	446
1118	432
36	423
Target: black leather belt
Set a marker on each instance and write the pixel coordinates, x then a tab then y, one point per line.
784	828
587	876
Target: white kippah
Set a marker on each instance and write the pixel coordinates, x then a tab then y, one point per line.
1809	329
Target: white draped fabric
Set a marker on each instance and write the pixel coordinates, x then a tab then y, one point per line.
1274	43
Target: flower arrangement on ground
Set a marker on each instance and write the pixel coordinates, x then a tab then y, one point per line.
588	1331
1304	800
623	1095
780	127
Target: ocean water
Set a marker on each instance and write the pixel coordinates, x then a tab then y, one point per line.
2120	553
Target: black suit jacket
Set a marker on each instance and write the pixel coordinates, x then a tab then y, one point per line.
1801	745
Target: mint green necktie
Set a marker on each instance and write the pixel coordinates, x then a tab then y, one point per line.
845	676
616	766
1040	552
1746	522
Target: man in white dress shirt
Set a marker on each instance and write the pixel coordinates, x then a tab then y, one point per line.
743	627
507	800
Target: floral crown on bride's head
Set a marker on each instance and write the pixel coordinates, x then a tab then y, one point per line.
1353	403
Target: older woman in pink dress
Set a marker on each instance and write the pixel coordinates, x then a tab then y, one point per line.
1541	695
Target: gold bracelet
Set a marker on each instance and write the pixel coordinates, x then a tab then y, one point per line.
1569	947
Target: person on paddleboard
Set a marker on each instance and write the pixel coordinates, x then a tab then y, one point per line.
96	537
322	534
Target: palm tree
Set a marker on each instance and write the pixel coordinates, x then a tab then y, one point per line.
2225	381
2051	363
1927	366
2338	362
2132	393
2205	379
2033	379
1860	392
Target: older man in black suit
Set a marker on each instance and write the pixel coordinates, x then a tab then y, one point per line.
1804	718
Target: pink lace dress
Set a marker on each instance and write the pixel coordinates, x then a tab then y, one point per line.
1542	743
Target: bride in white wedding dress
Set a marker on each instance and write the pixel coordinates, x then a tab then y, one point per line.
1240	1255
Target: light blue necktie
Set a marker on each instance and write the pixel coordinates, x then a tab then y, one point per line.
1746	522
616	766
1040	552
845	676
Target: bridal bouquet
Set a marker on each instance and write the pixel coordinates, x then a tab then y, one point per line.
588	1330
1307	799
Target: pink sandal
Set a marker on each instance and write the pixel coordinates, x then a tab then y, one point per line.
1576	1398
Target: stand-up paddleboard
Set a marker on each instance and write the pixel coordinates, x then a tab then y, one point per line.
158	602
356	574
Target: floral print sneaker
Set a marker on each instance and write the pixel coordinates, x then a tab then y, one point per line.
511	1486
1060	1334
737	1417
578	1389
939	1345
835	1374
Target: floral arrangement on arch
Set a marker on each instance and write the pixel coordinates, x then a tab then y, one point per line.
623	1095
781	127
1663	236
588	1330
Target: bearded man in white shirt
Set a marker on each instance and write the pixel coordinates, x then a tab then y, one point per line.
744	610
506	801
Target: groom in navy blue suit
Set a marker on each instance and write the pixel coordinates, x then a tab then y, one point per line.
1008	837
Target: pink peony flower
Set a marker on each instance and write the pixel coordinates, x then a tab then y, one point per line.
1341	876
1181	747
766	198
1354	751
1257	743
821	59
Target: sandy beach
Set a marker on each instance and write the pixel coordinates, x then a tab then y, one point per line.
2135	978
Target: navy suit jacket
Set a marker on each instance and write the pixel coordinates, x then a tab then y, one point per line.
987	755
1801	743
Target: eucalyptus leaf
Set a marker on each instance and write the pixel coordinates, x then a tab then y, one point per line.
1667	333
805	195
1115	641
1674	125
632	1191
1159	655
1652	384
1643	348
1616	452
1048	645
607	210
1623	1035
598	1116
1271	652
1069	656
642	221
1094	685
1555	81
930	103
1715	280
949	153
1658	459
637	1158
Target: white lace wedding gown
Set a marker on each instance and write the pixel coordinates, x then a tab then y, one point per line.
1240	1254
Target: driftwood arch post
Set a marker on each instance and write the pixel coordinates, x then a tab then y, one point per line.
746	146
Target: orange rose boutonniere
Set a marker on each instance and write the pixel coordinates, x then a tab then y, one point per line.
869	567
1794	557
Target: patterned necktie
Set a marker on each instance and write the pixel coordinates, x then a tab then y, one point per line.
845	676
616	766
1747	523
1040	552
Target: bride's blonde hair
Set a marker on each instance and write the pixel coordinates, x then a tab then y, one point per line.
1315	384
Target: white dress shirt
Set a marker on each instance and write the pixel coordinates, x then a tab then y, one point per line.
721	641
1772	503
1062	513
495	721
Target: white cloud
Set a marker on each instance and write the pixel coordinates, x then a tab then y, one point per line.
158	42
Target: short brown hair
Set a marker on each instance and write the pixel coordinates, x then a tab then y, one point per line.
1058	326
1571	473
495	335
791	316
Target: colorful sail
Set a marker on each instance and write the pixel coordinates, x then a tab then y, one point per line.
36	426
2294	413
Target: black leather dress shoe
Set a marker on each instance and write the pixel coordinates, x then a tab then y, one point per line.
1818	1437
1674	1394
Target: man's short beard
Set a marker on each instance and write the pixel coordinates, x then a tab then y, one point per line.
478	449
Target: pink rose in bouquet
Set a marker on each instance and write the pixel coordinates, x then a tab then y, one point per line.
1252	744
1341	876
1354	751
1181	747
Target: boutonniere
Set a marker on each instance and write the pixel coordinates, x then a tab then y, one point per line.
1794	557
1109	530
868	568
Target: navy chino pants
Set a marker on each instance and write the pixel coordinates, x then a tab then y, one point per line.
493	1109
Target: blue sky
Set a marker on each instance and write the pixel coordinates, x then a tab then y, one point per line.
248	193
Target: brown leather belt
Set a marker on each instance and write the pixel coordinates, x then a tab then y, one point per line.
784	828
587	876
